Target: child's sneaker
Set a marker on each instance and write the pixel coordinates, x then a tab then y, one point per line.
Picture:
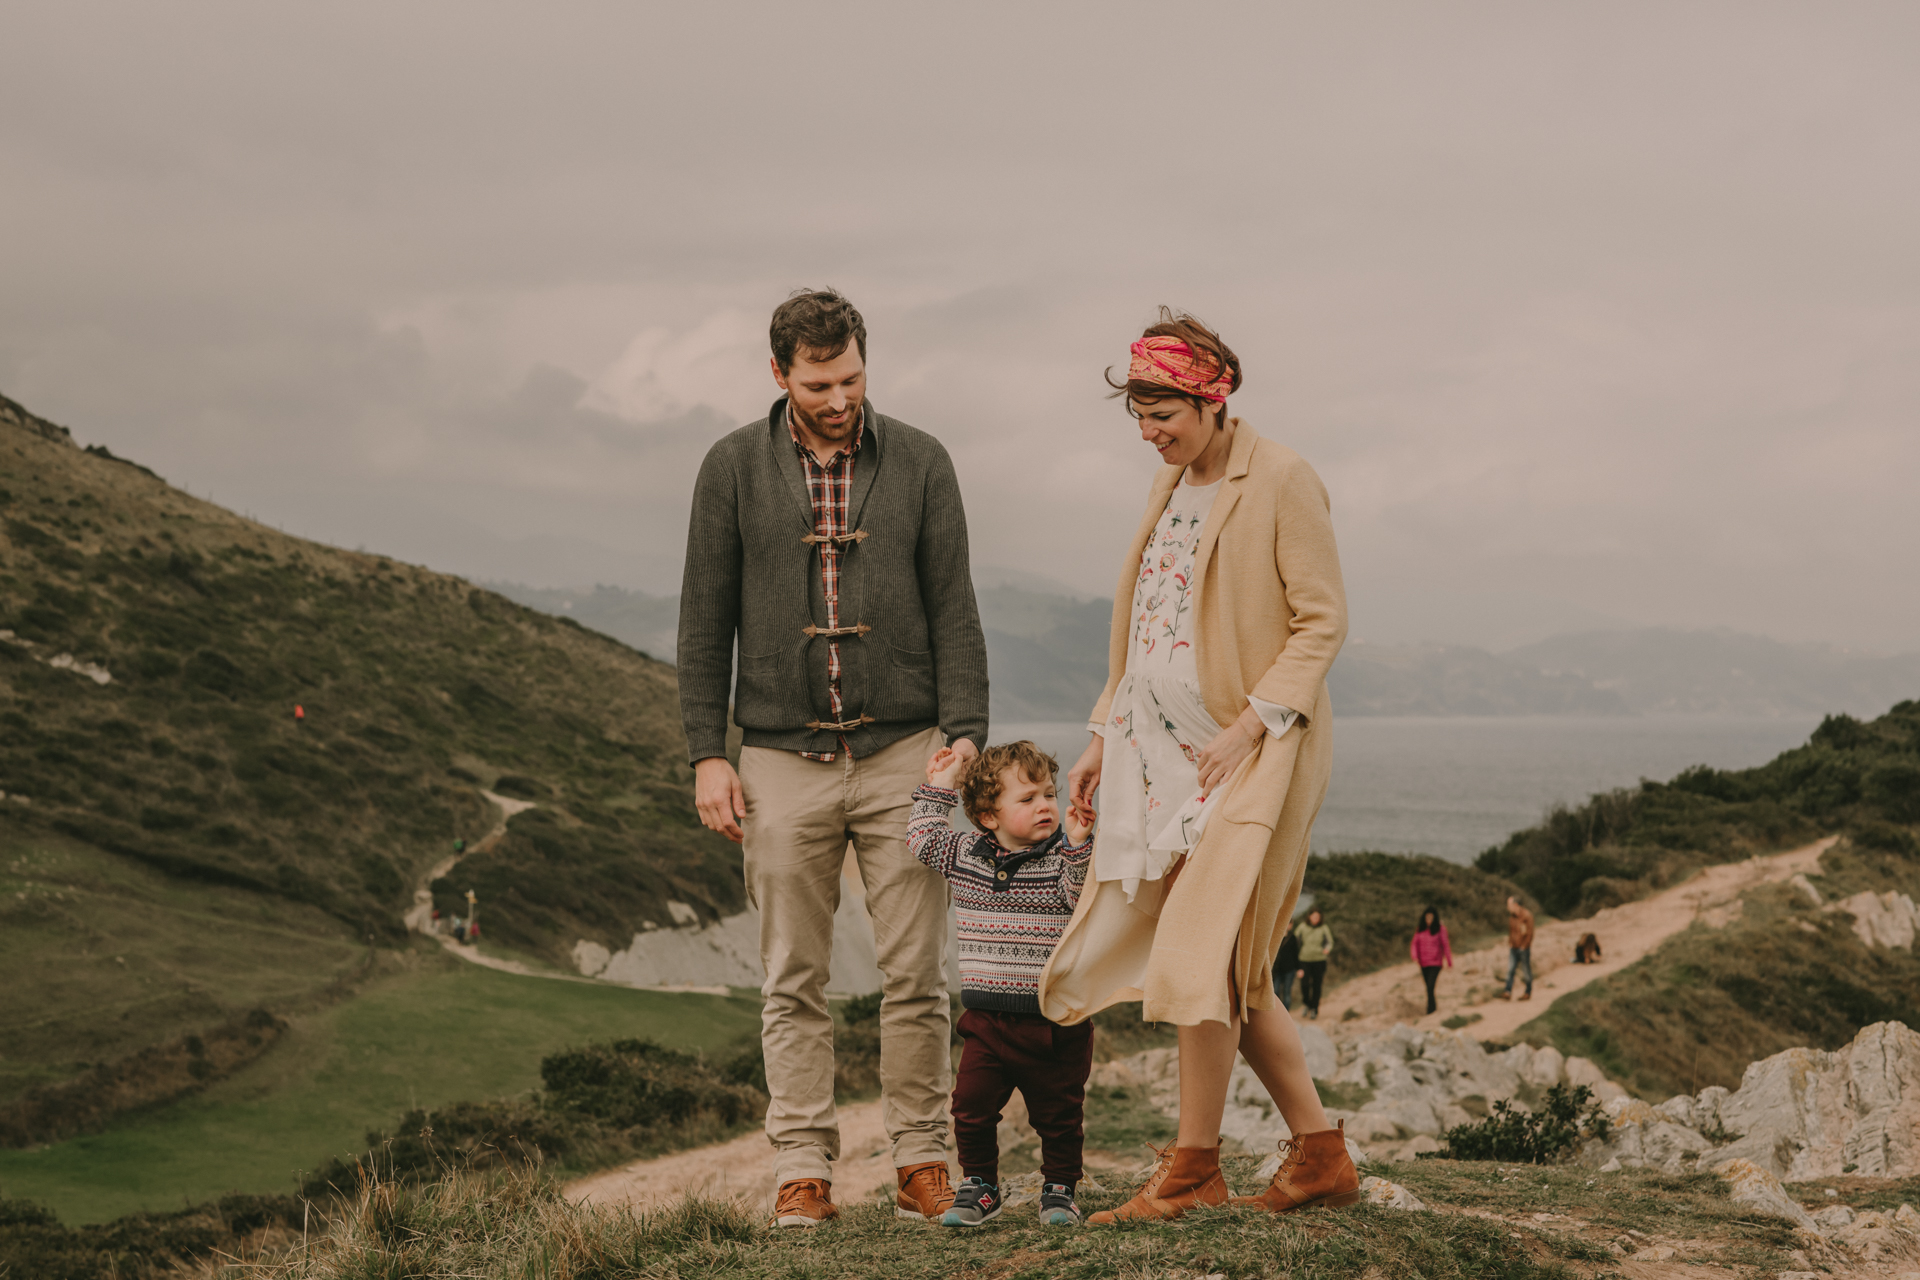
975	1201
1057	1208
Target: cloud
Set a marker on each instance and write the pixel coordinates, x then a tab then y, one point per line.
664	373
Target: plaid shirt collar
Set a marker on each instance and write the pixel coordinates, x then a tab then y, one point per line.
846	451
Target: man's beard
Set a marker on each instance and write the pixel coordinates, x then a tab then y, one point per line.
835	432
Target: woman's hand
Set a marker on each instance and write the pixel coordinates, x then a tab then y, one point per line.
1084	778
1219	758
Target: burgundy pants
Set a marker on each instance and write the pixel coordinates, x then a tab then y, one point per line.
1048	1064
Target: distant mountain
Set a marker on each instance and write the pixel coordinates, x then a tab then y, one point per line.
1047	654
1723	672
1455	680
647	623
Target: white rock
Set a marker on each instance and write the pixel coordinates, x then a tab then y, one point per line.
1807	1114
1880	920
1759	1190
1388	1195
1834	1215
1322	1060
1805	886
1611	1166
1583	1071
1548	1067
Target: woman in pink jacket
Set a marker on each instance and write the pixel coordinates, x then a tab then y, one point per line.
1431	950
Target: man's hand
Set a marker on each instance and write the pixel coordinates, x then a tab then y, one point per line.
1084	779
718	797
944	769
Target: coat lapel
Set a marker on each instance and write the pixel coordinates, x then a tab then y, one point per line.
1238	463
865	463
780	440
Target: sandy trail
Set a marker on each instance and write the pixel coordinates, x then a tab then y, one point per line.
1627	932
743	1167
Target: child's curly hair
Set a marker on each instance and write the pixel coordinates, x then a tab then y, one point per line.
980	784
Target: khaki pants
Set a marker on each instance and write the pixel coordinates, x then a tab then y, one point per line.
801	814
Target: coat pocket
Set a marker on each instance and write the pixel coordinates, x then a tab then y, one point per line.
903	686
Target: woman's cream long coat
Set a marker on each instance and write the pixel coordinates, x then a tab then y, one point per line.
1271	613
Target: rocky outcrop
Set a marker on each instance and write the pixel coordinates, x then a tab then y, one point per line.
1882	919
1803	1113
1408	1086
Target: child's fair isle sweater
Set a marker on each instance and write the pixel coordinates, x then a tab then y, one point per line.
1012	907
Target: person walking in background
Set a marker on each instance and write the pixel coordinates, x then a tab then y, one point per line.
1215	736
1316	947
1431	950
1519	947
828	543
1587	951
1286	966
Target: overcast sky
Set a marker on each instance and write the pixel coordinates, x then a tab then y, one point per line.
1586	313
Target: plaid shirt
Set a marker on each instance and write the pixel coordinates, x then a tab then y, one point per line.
828	485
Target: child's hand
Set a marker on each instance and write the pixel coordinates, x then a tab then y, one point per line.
944	768
1079	823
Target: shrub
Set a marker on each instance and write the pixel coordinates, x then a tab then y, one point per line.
1566	1114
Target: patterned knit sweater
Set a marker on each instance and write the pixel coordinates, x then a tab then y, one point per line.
1012	907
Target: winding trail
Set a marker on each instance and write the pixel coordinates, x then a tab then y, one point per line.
1628	932
742	1168
419	917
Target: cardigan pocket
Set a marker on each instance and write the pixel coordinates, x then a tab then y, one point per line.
1251	799
902	688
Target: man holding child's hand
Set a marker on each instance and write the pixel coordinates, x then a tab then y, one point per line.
829	541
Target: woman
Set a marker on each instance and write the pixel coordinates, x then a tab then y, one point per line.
1316	948
1431	950
1213	734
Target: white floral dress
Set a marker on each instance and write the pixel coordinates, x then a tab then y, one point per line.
1151	810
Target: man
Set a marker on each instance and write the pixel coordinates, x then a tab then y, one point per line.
830	540
1519	947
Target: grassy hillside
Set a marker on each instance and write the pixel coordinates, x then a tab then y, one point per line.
1862	778
422	1031
162	801
1783	973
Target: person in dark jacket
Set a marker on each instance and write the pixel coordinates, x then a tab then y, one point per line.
1286	967
828	543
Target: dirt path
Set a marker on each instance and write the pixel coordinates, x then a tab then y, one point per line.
419	917
1627	932
743	1169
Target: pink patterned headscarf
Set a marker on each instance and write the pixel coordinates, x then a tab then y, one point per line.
1171	363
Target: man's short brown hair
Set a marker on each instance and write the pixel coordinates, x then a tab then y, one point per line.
980	784
818	321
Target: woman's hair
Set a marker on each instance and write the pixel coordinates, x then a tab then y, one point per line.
980	784
1434	927
1205	344
1316	912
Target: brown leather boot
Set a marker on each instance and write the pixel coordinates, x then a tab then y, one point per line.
1315	1169
1185	1177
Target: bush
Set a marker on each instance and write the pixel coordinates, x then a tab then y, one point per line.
632	1084
1537	1137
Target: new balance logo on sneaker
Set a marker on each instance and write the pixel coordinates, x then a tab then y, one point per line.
975	1201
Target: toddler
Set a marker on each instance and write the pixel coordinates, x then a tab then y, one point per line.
1015	882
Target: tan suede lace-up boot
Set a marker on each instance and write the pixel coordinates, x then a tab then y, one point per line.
1183	1178
926	1192
1315	1169
804	1202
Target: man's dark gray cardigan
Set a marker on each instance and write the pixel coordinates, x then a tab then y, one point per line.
924	661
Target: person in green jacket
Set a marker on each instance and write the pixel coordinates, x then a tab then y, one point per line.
1316	944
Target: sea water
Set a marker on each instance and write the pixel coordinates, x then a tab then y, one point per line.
1454	785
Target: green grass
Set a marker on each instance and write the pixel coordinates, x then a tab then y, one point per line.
427	1033
521	1228
1373	901
106	956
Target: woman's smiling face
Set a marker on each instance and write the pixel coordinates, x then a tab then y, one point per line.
1175	427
